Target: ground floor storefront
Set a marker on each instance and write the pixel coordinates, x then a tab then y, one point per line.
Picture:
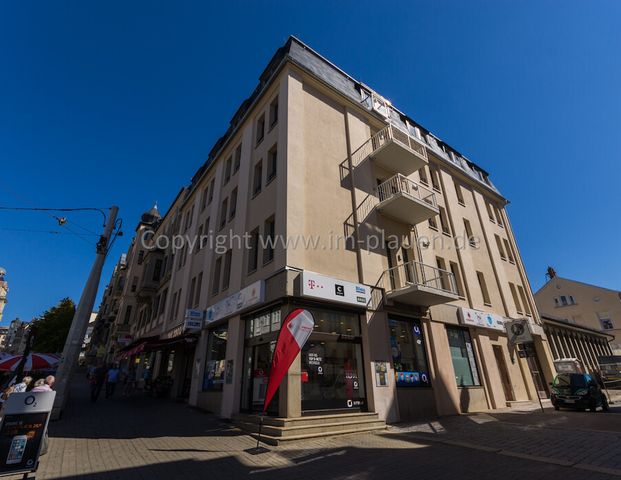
401	362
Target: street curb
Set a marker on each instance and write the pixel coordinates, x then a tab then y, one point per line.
537	458
509	453
594	468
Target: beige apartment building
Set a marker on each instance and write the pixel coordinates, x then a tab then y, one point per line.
582	304
399	245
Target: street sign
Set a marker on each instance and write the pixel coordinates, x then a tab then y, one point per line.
518	331
23	427
193	320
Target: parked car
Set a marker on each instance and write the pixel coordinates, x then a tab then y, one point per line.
578	391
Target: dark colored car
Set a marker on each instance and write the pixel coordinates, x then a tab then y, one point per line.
579	391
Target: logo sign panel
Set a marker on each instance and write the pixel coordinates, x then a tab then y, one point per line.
477	318
247	297
518	331
323	287
25	420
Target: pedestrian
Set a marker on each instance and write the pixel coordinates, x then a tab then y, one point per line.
97	380
44	385
112	377
130	381
22	386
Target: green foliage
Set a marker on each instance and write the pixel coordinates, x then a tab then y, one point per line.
53	327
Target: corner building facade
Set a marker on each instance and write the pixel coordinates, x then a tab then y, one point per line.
399	246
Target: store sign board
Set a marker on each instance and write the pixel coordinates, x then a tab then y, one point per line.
477	318
193	320
518	331
253	294
25	420
328	288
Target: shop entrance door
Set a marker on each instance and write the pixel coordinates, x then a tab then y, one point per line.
504	374
257	363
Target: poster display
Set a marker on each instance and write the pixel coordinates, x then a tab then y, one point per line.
25	420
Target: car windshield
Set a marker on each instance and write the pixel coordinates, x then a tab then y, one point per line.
570	380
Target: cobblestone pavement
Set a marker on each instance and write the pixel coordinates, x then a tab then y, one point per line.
146	438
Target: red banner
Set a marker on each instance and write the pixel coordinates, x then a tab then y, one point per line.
295	330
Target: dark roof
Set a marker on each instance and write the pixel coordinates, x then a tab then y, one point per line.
299	53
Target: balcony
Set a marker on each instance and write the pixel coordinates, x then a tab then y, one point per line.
394	150
415	283
406	201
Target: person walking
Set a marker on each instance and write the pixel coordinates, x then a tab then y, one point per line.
112	377
22	386
97	379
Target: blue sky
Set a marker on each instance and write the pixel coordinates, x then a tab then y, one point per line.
115	102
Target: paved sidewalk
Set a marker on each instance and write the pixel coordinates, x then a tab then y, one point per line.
146	438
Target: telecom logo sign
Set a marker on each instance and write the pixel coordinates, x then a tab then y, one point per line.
477	318
327	288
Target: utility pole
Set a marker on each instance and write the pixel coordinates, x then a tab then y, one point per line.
75	338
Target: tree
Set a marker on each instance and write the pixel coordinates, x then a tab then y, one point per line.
53	326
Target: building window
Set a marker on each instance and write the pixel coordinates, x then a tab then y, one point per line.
484	291
524	300
199	236
272	158
134	284
140	257
227	170
462	354
226	274
260	128
516	300
215	282
468	228
204	198
605	321
433	223
500	249
408	353
422	175
498	217
458	280
274	112
490	212
444	222
190	300
509	251
163	302
233	208
212	185
128	315
268	240
257	178
435	178
215	361
157	270
261	324
460	194
223	209
197	294
237	158
445	282
253	250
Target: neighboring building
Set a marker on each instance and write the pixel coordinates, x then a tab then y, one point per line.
570	340
3	333
414	271
587	305
15	339
4	290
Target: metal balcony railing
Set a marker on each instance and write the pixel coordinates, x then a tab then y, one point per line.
400	184
416	273
390	133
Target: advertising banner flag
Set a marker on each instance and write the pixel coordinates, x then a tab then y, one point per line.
295	330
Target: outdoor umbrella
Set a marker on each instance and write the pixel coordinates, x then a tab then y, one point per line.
35	361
